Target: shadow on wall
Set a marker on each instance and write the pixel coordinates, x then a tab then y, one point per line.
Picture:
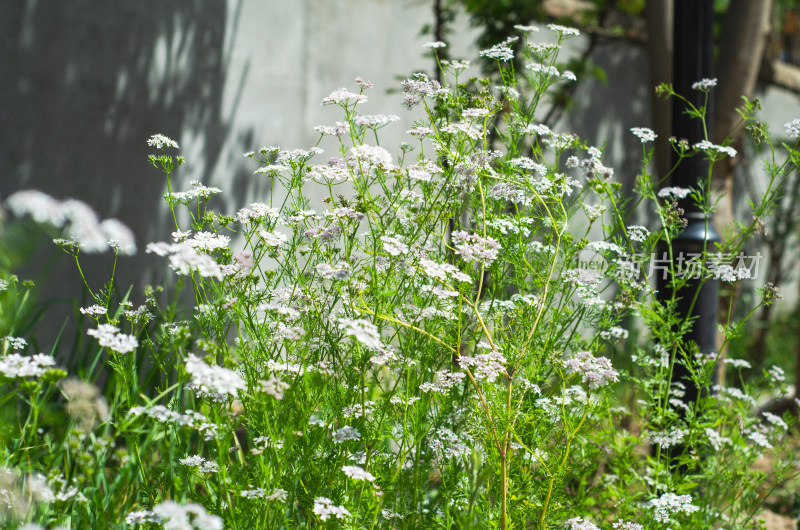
607	110
83	84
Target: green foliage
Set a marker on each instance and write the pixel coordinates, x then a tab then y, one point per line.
460	340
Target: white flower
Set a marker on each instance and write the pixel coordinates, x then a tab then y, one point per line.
373	154
142	517
475	113
445	380
333	130
760	439
776	420
793	128
738	363
776	373
363	330
94	310
577	523
274	387
447	443
614	332
215	382
547	70
357	473
325	509
176	517
475	248
272	239
184	258
624	525
673	192
256	212
342	95
393	245
345	433
202	465
637	233
669	504
434	45
597	371
110	337
209	241
704	84
16	343
40	206
375	120
714	149
420	132
119	237
191	419
644	134
40	489
715	439
198	191
277	495
501	52
160	141
667	439
79	221
563	30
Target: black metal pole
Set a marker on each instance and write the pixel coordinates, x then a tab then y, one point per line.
692	61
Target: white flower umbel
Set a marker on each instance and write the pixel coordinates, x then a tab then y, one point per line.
596	371
793	128
674	192
175	516
159	141
577	523
94	310
215	382
358	473
184	258
202	465
644	134
78	220
364	331
475	248
714	150
110	337
325	508
705	84
669	504
191	419
342	95
198	191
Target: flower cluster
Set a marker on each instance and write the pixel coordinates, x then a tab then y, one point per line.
325	508
184	258
644	134
214	382
596	371
202	465
198	191
191	419
79	221
670	504
109	336
16	366
474	248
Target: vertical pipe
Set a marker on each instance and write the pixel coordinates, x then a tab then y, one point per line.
692	61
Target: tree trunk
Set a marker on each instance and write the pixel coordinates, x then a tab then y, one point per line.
744	38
